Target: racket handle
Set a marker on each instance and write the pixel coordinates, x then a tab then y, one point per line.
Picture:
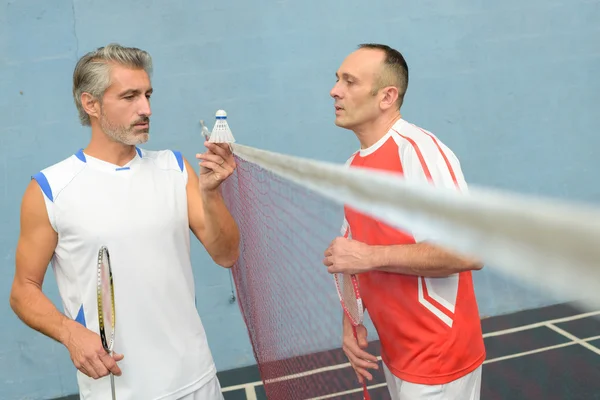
365	391
112	386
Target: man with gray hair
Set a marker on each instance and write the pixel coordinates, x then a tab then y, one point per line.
141	204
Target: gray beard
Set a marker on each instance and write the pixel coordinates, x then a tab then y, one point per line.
123	135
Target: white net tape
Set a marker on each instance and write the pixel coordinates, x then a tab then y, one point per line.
538	240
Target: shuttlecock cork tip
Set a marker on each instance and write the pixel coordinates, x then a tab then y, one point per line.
221	113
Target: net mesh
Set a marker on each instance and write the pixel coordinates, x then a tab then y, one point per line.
288	299
285	230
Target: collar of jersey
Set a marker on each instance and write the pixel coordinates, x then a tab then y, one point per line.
375	146
106	166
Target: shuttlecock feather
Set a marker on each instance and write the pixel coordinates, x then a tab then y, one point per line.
205	131
221	132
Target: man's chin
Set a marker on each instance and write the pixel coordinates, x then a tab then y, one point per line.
143	137
138	138
340	122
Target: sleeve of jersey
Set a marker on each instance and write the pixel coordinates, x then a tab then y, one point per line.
434	164
178	164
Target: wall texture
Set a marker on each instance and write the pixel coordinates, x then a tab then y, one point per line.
511	87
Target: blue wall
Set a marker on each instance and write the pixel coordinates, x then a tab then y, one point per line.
512	88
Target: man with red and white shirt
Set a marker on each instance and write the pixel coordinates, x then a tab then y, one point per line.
419	295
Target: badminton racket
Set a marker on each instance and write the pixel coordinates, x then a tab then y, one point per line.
106	307
349	294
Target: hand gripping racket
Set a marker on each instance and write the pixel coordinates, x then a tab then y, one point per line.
349	294
106	306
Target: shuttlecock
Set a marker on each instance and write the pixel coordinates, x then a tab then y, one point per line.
205	131
221	132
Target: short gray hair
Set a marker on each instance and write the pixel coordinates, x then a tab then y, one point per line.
92	72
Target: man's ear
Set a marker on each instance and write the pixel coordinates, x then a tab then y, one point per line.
390	96
91	105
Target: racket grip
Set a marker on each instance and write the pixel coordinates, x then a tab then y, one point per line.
354	331
112	386
365	391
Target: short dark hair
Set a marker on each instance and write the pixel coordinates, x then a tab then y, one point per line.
397	69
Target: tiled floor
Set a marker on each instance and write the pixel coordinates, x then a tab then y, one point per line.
549	353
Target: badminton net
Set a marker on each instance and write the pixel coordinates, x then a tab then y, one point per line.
289	209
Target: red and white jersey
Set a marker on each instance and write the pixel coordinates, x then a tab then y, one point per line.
429	328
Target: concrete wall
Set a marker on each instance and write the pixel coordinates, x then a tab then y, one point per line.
511	87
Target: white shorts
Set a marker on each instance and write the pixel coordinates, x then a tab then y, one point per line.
209	391
466	388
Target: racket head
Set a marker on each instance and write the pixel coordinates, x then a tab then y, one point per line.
349	293
348	288
106	300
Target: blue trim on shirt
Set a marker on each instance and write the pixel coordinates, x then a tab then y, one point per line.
179	158
80	316
80	155
43	182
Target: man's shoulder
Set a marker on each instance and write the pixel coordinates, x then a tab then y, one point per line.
73	161
413	138
163	158
55	177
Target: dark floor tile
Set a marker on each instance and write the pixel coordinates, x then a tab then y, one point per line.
527	317
595	343
238	376
235	395
583	327
566	373
518	342
260	393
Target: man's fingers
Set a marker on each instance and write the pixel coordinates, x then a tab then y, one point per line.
89	366
361	357
362	363
361	333
221	149
99	367
213	167
83	369
118	357
360	378
362	373
356	351
361	366
111	364
211	157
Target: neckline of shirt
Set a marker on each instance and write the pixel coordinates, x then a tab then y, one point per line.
107	166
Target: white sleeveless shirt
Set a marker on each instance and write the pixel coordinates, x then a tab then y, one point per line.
139	211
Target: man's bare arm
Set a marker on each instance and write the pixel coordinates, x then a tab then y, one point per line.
36	245
421	259
211	222
37	241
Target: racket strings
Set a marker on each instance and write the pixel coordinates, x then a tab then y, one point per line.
106	307
348	291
